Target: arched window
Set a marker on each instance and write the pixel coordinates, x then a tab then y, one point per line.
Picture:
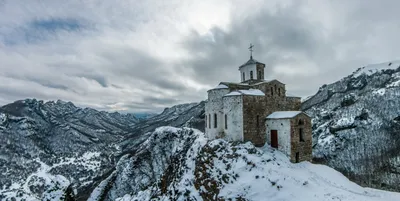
279	91
243	77
215	120
258	121
301	135
272	91
275	87
301	122
209	120
251	75
226	122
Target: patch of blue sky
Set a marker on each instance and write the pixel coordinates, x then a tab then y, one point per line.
41	30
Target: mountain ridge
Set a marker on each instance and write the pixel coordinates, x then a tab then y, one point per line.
355	127
53	137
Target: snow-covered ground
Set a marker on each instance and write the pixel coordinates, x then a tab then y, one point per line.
222	170
51	186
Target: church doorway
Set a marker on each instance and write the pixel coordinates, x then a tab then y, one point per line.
274	138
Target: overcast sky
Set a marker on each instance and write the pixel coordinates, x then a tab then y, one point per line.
146	55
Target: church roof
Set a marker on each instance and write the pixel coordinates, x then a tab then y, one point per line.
283	114
221	86
250	92
250	61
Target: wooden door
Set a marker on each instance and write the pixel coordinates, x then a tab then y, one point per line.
274	138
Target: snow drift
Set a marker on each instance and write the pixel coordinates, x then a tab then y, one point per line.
182	165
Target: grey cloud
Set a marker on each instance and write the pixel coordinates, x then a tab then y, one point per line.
162	101
353	34
272	34
41	81
287	37
135	64
98	78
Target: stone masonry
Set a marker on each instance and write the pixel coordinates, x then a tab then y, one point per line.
304	148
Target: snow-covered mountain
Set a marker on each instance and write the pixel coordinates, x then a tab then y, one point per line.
180	164
54	149
356	125
189	115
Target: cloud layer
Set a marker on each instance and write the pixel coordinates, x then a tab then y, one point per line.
141	56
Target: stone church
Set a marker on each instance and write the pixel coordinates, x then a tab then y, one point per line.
259	111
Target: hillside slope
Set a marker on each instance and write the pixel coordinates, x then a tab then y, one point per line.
356	125
179	164
55	146
57	150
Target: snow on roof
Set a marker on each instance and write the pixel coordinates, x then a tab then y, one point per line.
250	92
250	61
221	86
283	114
374	68
264	81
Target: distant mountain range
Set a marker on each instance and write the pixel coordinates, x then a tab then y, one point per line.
57	151
144	115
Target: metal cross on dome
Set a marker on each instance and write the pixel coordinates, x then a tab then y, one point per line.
251	50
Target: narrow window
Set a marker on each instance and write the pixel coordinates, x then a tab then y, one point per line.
301	122
226	122
301	134
279	91
259	75
215	120
297	157
251	75
209	120
243	77
258	121
272	91
275	87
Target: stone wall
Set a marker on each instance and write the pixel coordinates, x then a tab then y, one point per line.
254	108
304	148
260	71
233	109
262	106
214	105
293	103
273	88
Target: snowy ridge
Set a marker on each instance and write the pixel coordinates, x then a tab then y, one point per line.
374	68
218	170
356	128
